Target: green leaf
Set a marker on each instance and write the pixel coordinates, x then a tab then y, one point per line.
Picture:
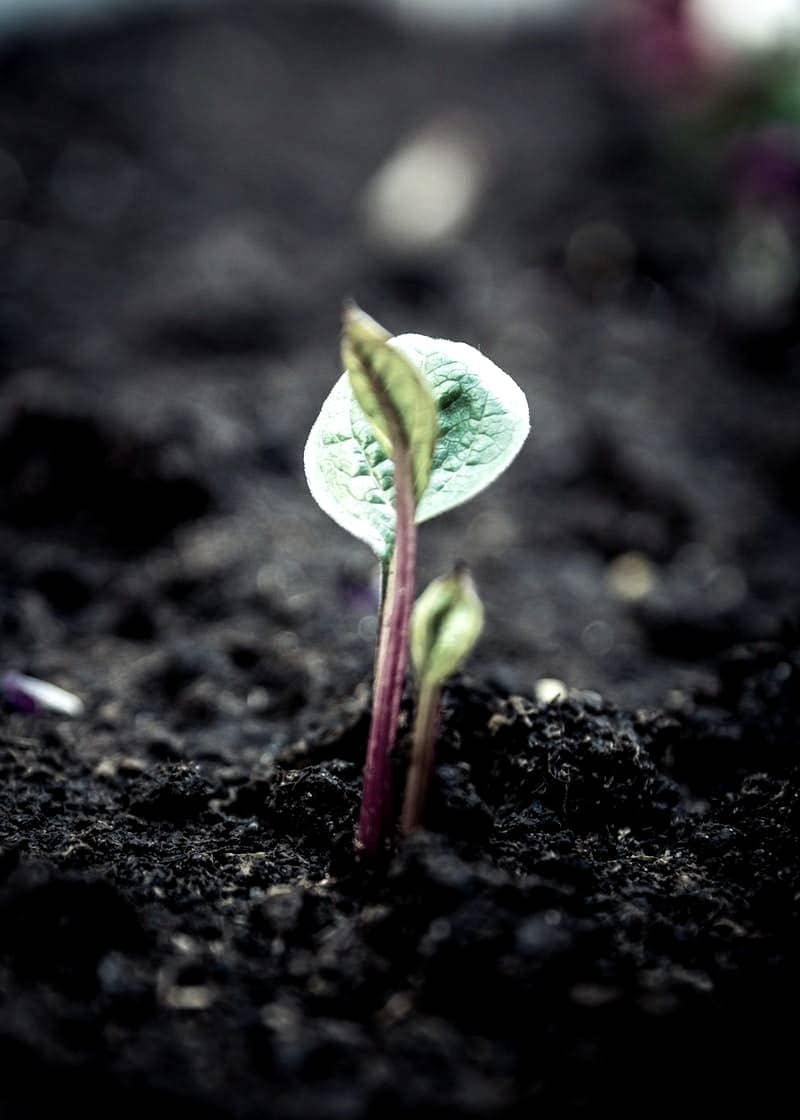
445	625
483	423
392	393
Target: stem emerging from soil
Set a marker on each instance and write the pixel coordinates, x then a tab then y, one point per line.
375	822
426	732
445	625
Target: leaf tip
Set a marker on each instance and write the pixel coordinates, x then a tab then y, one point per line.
350	311
358	326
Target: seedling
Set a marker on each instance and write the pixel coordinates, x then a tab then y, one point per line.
414	427
445	625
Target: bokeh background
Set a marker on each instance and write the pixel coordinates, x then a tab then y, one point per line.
603	197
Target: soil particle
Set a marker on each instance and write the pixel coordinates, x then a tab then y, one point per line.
169	792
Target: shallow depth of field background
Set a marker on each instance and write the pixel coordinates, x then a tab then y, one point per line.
603	197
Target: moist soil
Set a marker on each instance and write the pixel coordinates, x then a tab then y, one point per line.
602	910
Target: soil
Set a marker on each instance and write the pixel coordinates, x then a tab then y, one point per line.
602	911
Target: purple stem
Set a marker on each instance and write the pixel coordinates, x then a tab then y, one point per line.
375	822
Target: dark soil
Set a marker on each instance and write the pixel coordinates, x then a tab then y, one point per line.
603	911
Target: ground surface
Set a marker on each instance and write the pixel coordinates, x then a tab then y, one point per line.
605	903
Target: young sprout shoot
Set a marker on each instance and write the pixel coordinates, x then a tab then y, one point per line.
445	625
399	405
412	428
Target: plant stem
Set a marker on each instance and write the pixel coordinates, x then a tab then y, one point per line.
426	728
375	822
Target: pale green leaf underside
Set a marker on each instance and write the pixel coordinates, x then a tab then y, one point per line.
483	422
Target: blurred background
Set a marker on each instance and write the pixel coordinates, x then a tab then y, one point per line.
604	197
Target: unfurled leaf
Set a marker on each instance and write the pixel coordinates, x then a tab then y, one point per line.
445	625
483	421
